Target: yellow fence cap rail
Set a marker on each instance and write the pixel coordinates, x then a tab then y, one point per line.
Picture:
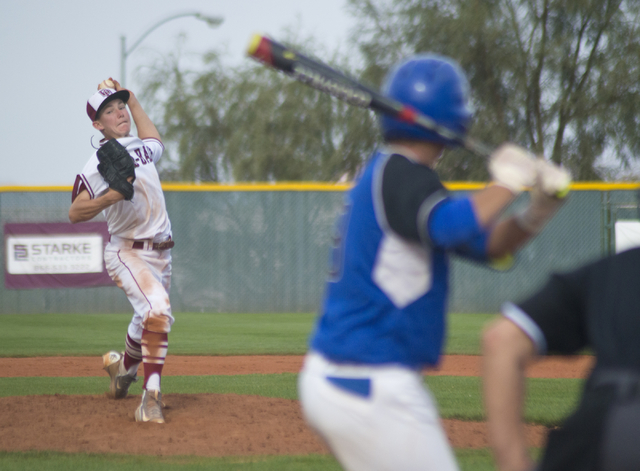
309	186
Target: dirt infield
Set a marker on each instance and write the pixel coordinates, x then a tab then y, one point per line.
452	365
201	424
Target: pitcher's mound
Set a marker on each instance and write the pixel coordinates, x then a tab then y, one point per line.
196	424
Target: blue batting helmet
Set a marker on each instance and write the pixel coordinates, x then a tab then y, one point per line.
435	86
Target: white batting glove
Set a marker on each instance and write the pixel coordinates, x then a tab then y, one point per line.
547	195
513	168
553	179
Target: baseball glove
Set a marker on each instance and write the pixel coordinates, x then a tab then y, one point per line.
116	166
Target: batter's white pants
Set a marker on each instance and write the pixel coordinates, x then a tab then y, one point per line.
395	428
145	277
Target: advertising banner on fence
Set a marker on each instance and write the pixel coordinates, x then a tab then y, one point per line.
55	255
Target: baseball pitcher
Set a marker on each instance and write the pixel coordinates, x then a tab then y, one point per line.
120	180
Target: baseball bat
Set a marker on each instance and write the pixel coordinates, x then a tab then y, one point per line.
320	76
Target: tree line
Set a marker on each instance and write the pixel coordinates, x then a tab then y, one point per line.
560	78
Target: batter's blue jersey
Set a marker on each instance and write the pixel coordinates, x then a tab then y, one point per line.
385	299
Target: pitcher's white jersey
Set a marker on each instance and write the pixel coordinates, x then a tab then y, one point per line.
145	216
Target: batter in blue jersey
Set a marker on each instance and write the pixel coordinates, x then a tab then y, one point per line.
383	314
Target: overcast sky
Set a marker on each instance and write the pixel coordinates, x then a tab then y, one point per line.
54	53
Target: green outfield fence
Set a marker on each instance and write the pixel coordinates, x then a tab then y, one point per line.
264	247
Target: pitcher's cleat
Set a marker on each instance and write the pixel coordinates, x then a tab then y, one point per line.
120	383
150	410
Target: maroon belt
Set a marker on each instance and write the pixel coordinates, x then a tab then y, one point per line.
166	245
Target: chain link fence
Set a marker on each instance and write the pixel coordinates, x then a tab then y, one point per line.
265	249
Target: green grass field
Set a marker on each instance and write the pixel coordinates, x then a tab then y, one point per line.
476	460
27	335
549	400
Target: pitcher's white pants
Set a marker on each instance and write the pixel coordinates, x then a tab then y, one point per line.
396	427
145	277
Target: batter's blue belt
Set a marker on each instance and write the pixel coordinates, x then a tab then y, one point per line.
358	386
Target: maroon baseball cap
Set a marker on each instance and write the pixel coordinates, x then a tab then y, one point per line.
100	99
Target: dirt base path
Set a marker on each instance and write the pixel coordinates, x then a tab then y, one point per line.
452	365
201	424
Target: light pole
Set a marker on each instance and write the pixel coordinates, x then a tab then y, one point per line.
212	21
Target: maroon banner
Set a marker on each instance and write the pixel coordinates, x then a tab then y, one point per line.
55	255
